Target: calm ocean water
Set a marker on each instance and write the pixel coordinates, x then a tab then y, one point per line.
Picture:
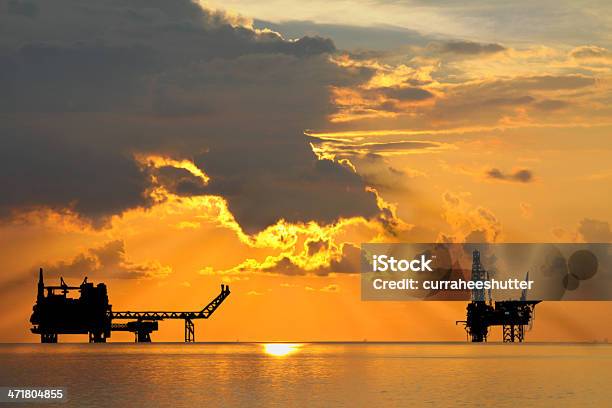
315	375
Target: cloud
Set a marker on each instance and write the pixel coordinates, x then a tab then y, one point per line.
593	230
495	100
469	223
551	104
380	174
370	154
467	48
88	86
591	52
546	82
320	258
106	261
519	176
347	261
179	181
349	37
515	91
429	92
509	101
407	93
46	171
316	246
476	236
518	22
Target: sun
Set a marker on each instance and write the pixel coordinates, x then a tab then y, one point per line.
281	349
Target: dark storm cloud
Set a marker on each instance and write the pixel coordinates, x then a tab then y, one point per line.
86	85
180	181
320	190
519	176
467	48
108	260
41	77
45	169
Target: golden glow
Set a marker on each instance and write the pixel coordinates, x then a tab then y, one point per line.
281	349
360	134
426	161
399	75
161	161
329	150
279	243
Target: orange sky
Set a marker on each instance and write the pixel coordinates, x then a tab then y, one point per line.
456	137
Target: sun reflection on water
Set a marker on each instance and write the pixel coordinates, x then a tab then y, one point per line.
281	349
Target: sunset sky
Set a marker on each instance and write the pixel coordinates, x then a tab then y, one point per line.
166	147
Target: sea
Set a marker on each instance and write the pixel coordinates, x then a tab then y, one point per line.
313	374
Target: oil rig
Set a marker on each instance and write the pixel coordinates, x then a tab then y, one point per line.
512	315
56	313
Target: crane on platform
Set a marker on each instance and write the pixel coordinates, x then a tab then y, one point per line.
146	322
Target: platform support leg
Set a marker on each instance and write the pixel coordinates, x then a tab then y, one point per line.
97	337
142	336
513	333
189	331
48	338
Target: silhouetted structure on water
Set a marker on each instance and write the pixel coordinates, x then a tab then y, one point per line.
55	313
512	315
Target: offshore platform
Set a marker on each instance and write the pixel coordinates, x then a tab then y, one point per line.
512	315
56	313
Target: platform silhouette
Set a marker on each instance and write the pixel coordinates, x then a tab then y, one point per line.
56	313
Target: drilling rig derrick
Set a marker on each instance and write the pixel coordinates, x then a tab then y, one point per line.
512	315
